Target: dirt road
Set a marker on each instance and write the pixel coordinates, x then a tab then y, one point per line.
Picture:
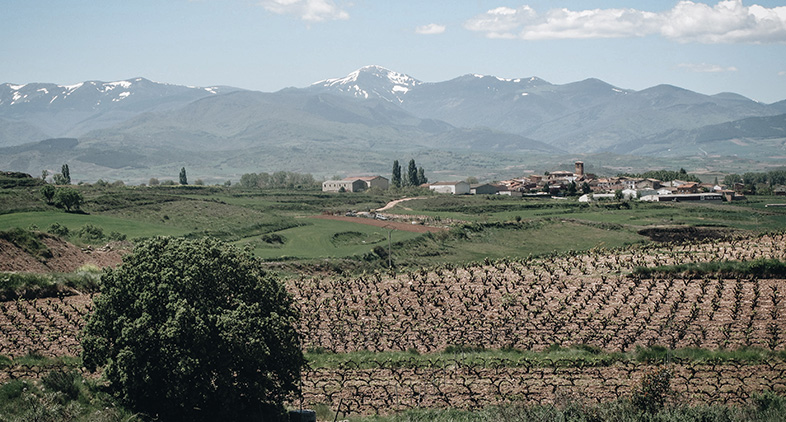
407	227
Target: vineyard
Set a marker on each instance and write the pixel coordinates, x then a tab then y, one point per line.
592	300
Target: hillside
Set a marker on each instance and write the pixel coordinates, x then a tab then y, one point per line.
56	255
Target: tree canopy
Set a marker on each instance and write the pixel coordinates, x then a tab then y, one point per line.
194	330
68	198
412	174
183	177
278	180
396	179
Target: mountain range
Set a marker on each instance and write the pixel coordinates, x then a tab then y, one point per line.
137	129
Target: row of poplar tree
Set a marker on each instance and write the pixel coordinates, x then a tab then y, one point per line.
415	176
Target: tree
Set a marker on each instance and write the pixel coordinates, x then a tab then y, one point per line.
396	179
572	189
412	174
731	179
68	198
183	178
586	188
44	174
195	330
48	192
153	181
66	174
422	176
59	179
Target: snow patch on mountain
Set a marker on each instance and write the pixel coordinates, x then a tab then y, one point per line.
72	87
385	83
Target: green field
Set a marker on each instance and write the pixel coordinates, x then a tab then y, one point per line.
131	228
326	238
276	224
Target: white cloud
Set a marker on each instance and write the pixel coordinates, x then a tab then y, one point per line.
502	21
430	29
729	21
782	73
706	67
307	10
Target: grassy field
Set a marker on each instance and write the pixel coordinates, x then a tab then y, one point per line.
318	238
275	224
130	227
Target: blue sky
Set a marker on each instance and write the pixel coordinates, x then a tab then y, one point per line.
706	46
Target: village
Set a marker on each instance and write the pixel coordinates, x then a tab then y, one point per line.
562	184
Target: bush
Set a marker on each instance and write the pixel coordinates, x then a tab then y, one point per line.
653	390
13	389
90	233
117	236
769	401
58	229
195	330
65	382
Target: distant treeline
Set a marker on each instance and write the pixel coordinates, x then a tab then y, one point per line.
279	179
664	175
771	178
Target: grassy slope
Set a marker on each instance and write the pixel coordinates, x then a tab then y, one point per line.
322	239
129	227
247	217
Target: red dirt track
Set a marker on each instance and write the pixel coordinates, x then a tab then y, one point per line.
407	227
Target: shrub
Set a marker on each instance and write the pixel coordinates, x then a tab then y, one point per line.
653	390
90	232
58	229
117	236
13	389
65	382
769	401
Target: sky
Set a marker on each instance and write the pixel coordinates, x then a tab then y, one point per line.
706	46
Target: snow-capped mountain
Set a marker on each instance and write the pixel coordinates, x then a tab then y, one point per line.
71	110
584	116
337	124
95	92
370	82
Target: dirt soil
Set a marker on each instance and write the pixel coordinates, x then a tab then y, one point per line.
407	227
66	257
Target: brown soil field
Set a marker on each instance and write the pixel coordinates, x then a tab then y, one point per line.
397	225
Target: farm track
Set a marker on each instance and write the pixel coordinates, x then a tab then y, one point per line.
571	299
407	227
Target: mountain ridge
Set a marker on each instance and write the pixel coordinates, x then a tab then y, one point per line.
371	112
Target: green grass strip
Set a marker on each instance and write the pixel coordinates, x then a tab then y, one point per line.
760	268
